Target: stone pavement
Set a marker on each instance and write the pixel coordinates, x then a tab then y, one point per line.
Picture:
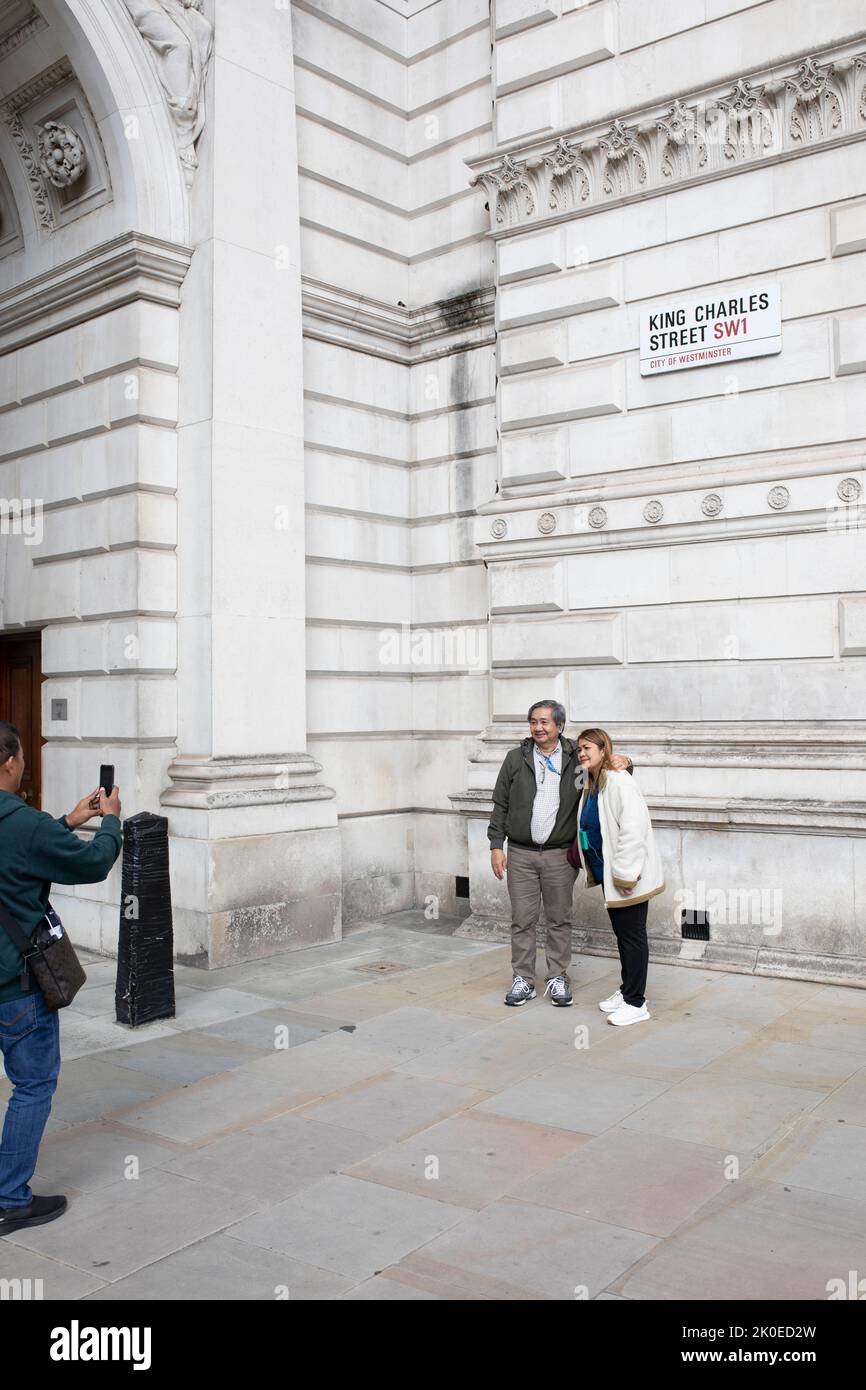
411	1138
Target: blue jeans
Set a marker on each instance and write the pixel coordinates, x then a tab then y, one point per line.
30	1043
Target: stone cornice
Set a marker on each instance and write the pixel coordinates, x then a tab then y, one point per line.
774	816
223	783
533	533
401	334
769	115
13	38
129	267
826	745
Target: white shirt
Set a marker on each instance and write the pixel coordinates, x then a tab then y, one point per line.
545	807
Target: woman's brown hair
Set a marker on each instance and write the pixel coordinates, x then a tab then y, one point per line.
601	739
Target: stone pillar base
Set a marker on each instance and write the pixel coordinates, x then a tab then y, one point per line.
255	858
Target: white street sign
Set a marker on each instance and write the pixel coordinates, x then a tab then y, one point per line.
723	325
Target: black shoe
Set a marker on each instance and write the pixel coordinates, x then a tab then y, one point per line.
557	988
521	990
40	1210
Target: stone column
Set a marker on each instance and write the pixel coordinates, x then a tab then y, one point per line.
255	845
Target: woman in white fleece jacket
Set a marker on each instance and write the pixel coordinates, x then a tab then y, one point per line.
616	849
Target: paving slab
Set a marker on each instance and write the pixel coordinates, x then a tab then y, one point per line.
586	1099
794	1064
640	1181
127	1226
409	1033
488	1060
681	1046
347	1226
742	1117
848	1102
50	1280
90	1087
261	1032
395	1106
835	1162
764	1244
222	1268
228	1102
469	1160
275	1159
842	1030
181	1058
511	1250
93	1156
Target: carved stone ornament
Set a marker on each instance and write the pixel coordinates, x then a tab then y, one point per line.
778	498
546	523
63	158
510	188
817	110
499	528
684	151
569	179
181	40
768	114
748	125
598	518
849	490
625	168
712	504
28	158
653	512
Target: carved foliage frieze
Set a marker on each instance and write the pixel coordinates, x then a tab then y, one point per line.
758	117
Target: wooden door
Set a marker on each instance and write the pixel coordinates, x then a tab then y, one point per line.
21	704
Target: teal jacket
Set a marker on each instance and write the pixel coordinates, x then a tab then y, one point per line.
36	851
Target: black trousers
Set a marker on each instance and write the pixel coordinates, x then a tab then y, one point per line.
629	924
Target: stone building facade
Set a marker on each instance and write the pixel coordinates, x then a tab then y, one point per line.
320	328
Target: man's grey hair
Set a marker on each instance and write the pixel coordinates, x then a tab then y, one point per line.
556	709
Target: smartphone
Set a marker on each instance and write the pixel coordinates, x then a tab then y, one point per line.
106	778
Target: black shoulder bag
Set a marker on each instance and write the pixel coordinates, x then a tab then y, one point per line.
50	957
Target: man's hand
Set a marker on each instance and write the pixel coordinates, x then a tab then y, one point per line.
626	892
498	862
84	811
109	805
619	763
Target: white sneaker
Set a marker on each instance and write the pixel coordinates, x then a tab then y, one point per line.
629	1013
613	1001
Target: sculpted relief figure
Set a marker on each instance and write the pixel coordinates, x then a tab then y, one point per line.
182	40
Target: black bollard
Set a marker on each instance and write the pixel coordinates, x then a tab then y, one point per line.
145	949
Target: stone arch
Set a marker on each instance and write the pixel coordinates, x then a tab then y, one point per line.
114	69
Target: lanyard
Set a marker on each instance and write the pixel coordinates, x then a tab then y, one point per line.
547	763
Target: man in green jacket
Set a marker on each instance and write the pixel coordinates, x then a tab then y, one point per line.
535	804
36	851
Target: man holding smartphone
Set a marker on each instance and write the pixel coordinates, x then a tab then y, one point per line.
36	851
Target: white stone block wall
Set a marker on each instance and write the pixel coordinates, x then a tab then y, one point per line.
88	431
400	432
680	558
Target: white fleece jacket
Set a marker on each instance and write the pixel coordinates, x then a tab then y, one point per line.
631	859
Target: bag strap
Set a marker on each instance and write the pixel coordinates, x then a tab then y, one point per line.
16	934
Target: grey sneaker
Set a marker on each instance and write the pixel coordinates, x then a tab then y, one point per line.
557	988
521	990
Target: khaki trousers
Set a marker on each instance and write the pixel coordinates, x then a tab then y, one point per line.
535	877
